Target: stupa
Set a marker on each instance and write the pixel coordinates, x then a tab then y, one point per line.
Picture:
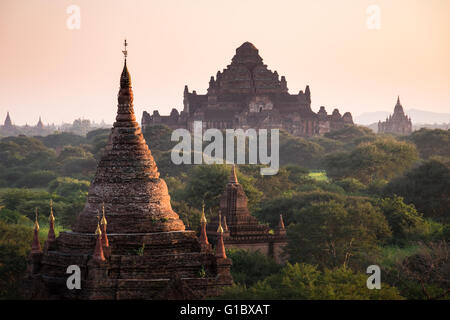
127	242
241	229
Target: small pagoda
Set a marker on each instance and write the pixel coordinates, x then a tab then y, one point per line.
241	229
127	242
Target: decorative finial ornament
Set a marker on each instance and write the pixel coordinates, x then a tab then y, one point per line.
98	231
203	236
103	221
125	52
36	224
125	78
52	217
281	222
98	252
225	226
203	218
220	229
220	247
36	245
51	221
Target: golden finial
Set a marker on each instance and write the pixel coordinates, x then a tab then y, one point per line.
220	229
52	217
203	218
103	221
36	224
98	232
125	52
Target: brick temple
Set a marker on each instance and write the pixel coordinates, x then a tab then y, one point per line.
397	123
246	94
139	249
241	229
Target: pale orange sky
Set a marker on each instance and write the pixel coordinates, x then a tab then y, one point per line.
62	74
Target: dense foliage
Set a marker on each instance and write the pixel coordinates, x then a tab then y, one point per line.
349	199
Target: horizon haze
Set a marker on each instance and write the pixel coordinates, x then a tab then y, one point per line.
61	74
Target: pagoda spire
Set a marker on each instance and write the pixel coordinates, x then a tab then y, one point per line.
226	231
281	222
98	253
40	124
203	236
233	177
8	122
36	245
281	229
51	220
225	226
125	112
125	79
103	224
220	247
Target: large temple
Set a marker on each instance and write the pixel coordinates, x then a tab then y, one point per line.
241	229
398	123
248	95
139	249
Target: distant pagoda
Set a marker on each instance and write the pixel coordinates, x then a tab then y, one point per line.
241	229
40	124
398	123
8	123
138	247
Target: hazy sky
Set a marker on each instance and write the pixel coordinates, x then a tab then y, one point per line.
62	74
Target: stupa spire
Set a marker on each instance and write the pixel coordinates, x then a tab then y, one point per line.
125	79
8	122
36	245
51	220
225	226
127	161
98	252
281	222
203	236
103	224
281	230
220	247
233	177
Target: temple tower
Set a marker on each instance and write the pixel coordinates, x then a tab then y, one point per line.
143	251
399	123
243	230
8	123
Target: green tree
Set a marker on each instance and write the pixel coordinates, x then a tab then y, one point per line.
332	234
15	245
250	267
380	159
431	142
404	220
303	281
299	151
427	187
159	138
